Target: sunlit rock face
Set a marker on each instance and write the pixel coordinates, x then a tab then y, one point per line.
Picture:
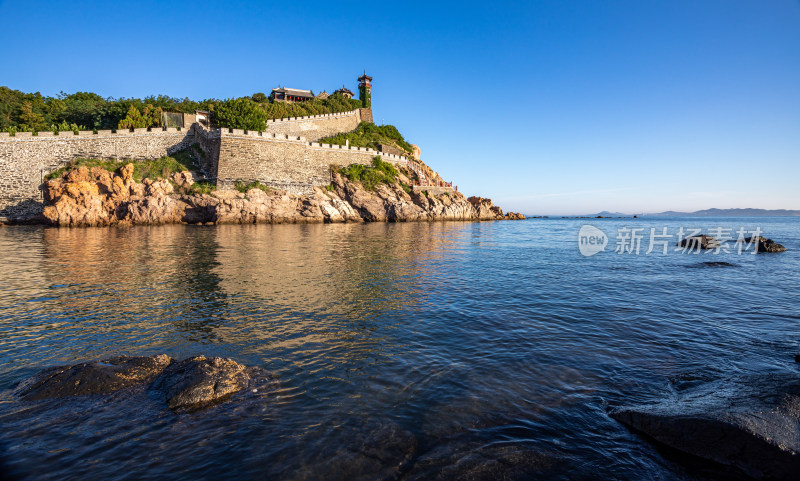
193	383
96	197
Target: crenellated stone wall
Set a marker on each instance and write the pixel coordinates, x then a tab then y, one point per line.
285	156
284	162
25	158
315	127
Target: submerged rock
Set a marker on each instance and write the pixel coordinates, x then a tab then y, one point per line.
699	242
100	377
750	424
712	264
189	384
376	450
483	463
762	244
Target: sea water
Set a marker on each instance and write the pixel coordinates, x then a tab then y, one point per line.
410	351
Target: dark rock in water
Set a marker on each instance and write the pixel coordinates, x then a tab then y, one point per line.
477	463
699	242
98	377
764	245
376	450
713	264
199	381
188	384
750	424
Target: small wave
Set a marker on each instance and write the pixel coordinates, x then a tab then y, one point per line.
712	264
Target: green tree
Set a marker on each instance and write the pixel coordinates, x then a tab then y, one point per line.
81	108
241	113
29	119
134	120
152	116
10	102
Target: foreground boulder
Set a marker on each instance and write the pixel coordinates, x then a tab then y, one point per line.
189	384
202	380
750	424
100	377
484	462
696	242
762	244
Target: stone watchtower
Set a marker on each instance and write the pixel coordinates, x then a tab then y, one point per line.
365	90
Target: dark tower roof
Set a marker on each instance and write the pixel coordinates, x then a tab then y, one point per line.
365	77
295	92
344	90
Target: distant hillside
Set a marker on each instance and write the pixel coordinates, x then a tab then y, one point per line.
606	213
729	213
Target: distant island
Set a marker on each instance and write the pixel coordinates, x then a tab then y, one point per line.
708	213
730	213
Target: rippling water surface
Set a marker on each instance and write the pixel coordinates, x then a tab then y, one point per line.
403	350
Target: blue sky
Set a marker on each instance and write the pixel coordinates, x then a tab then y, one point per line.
547	107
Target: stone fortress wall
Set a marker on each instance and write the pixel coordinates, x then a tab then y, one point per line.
25	159
285	156
286	162
315	127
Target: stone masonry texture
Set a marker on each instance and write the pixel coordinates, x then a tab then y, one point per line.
285	156
25	159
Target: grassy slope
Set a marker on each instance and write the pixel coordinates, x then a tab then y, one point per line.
370	135
380	173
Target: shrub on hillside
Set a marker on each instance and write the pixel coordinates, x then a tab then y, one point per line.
370	135
241	113
380	173
149	117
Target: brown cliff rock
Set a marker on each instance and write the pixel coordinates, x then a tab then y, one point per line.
97	197
127	174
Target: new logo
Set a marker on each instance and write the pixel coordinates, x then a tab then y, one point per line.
591	240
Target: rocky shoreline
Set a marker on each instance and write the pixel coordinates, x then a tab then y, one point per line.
749	424
192	383
96	197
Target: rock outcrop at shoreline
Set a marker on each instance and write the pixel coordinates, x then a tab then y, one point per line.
96	197
189	384
765	245
750	424
201	380
704	242
101	377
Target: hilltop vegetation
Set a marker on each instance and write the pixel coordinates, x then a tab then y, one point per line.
380	173
252	113
34	112
371	135
85	110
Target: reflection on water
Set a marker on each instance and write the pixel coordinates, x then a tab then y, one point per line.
402	349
